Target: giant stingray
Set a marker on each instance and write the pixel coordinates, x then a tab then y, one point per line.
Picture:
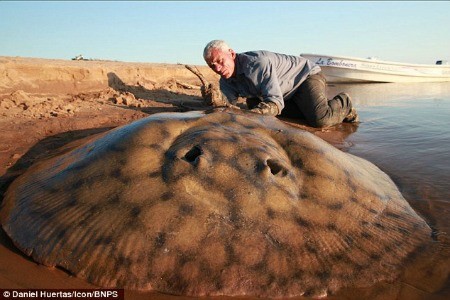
220	203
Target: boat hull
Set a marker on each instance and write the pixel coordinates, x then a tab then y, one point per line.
357	70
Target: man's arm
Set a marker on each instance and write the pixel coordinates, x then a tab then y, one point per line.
267	82
229	93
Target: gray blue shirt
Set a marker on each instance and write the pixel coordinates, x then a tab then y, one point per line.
267	75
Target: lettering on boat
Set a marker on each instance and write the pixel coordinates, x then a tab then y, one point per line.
335	63
381	67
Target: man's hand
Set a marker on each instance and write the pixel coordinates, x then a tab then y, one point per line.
212	96
266	108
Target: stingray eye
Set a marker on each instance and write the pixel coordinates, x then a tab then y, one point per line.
276	168
192	155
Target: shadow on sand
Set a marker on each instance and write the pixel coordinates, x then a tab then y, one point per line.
161	95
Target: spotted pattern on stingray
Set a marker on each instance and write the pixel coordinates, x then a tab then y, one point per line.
220	203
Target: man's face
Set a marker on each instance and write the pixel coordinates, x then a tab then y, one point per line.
222	62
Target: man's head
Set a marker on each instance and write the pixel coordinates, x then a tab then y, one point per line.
220	58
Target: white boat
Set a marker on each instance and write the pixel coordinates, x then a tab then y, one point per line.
341	69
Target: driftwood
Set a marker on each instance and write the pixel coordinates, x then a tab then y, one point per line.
211	94
198	74
187	85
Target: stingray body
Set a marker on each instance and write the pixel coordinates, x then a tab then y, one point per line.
221	203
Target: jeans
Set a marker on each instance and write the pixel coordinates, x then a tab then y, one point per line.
310	102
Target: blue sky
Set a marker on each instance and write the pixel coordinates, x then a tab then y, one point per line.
172	32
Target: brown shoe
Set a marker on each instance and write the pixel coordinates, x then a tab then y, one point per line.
352	116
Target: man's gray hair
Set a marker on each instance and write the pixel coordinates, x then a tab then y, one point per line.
215	44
